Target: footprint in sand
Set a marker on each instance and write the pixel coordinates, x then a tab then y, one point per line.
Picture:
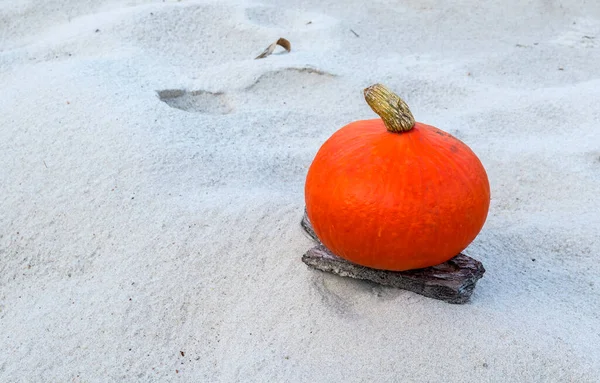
267	89
198	101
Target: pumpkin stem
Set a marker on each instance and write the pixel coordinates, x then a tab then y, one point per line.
390	107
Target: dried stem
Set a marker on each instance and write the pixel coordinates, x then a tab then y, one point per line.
390	107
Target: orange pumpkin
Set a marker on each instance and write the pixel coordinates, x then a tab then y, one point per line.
395	194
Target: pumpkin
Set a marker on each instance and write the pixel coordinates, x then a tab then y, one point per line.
395	194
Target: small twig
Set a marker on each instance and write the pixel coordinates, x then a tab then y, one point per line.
281	42
355	34
45	164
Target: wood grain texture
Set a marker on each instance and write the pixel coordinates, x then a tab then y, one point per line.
452	281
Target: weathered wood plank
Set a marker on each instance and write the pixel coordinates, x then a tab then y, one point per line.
452	281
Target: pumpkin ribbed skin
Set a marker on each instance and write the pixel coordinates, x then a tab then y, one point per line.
396	201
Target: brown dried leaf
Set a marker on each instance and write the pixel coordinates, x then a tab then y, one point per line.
281	42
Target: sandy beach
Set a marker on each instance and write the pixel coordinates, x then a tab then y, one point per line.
152	185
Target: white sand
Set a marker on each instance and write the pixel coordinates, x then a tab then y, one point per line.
141	242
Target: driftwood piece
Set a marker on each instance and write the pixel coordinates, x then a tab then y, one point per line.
452	281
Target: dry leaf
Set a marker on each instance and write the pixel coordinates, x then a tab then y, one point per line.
281	42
